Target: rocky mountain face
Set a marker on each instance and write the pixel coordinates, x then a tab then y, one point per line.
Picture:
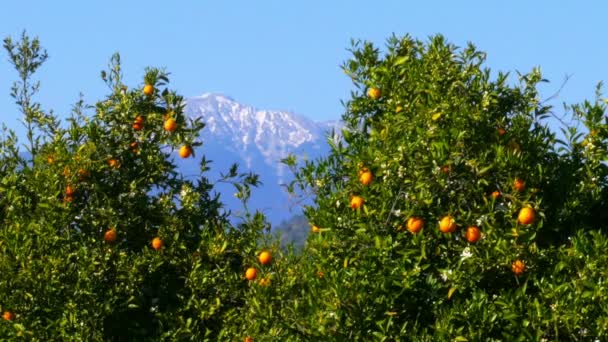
257	140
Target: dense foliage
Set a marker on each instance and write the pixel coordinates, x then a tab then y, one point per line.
450	210
101	238
446	210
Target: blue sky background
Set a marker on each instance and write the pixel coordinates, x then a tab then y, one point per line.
286	54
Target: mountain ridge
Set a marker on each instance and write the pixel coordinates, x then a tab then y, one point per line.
256	139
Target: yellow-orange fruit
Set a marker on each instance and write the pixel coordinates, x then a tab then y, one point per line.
374	93
473	234
447	224
518	267
185	151
415	224
251	273
526	215
356	202
157	243
265	258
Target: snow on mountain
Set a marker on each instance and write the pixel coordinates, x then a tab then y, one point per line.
257	140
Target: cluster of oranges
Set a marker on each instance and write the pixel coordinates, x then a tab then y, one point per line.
447	224
111	235
170	124
264	258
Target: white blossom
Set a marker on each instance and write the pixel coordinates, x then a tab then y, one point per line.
466	253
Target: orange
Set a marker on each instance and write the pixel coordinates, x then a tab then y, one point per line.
148	89
8	316
170	125
265	258
115	164
366	177
473	234
69	191
315	229
110	235
185	151
134	147
138	124
374	93
248	339
526	215
251	273
157	243
356	202
501	131
519	185
415	224
447	224
50	159
496	194
518	267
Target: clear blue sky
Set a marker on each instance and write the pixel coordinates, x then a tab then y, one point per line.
278	54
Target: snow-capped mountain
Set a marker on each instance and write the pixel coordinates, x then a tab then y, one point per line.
257	140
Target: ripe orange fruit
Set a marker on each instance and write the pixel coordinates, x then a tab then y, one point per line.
415	224
138	124
315	229
374	93
356	202
69	191
518	267
447	224
148	89
366	177
495	194
519	185
134	147
185	151
110	235
50	159
8	316
473	234
157	243
526	215
115	164
251	273
265	258
248	339
501	131
170	125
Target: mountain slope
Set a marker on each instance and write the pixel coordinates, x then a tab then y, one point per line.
257	140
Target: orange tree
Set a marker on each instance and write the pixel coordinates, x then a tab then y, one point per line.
448	210
101	238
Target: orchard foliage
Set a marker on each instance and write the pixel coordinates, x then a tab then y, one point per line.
446	210
101	238
507	222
